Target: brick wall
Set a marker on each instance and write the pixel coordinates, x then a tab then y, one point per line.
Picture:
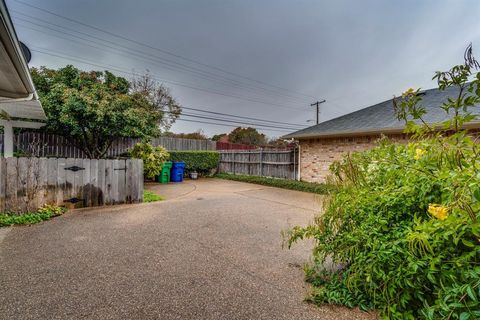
316	155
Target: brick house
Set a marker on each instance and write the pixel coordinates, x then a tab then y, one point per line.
328	141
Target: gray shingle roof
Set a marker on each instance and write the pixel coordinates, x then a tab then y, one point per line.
379	118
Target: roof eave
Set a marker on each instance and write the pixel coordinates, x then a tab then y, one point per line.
14	52
365	132
17	53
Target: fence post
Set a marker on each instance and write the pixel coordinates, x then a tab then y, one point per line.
261	162
233	161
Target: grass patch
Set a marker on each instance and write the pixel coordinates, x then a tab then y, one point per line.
44	213
319	188
149	196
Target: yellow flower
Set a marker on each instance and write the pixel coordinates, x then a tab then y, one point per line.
438	211
419	153
409	92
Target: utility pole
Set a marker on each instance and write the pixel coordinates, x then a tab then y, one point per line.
318	105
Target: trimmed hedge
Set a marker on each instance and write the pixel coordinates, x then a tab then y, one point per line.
202	162
319	188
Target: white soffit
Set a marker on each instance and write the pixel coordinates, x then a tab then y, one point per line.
23	109
17	92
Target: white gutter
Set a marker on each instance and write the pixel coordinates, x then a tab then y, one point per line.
30	97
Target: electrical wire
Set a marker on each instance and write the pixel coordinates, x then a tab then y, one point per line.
231	121
118	69
169	64
160	50
230	126
242	117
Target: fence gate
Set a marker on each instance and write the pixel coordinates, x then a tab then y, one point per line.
264	163
28	183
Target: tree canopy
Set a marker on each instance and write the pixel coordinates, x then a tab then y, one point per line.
93	109
217	137
247	136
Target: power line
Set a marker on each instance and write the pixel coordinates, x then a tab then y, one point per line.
211	118
249	118
116	68
165	80
230	126
232	121
158	49
172	65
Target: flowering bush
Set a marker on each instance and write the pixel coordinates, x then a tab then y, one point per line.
401	226
153	158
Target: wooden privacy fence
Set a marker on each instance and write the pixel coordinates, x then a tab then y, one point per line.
265	163
41	144
28	183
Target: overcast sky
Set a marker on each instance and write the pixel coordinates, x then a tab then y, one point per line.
264	59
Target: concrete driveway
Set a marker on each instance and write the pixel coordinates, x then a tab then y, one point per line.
212	250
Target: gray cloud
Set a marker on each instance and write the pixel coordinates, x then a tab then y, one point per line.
351	53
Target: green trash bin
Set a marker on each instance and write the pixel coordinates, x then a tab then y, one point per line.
164	176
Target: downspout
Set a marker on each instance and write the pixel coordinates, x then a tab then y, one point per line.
299	162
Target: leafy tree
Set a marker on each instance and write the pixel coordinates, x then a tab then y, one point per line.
217	137
278	143
247	136
92	109
159	97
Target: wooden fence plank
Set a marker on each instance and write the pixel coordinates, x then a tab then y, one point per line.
34	184
11	183
139	179
61	181
109	196
135	179
115	174
92	187
101	183
69	189
128	180
84	184
3	186
51	189
22	177
121	176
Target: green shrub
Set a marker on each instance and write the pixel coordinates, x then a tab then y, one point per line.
153	158
44	213
149	196
203	162
402	224
319	188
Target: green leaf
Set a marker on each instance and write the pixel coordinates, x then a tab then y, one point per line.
464	316
476	194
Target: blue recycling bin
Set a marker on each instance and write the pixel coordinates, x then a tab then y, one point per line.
176	174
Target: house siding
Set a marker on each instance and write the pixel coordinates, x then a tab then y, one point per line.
316	155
